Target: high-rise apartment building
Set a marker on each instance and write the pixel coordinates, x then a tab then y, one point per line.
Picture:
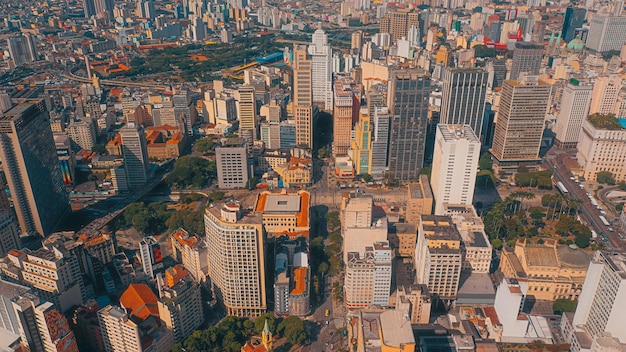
361	152
321	70
416	300
527	58
398	23
476	248
606	33
236	258
22	49
151	256
343	112
9	293
247	113
104	9
521	116
463	100
601	304
231	156
360	228
135	325
368	277
191	252
303	97
602	147
379	123
574	19
455	161
135	152
408	105
31	168
606	90
575	104
438	257
9	236
82	134
180	303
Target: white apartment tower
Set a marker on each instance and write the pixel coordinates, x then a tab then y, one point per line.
606	90
232	163
601	305
235	246
368	277
606	33
455	161
303	97
151	257
322	70
575	105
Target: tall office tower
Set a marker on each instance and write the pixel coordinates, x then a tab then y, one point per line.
368	278
379	142
303	97
526	58
408	105
606	33
574	19
270	134
9	236
22	49
247	113
89	7
574	110
438	256
606	90
135	152
521	116
9	293
134	325
82	134
463	101
236	258
356	42
191	252
104	9
180	303
361	152
397	23
601	304
28	152
455	161
321	70
342	118
233	170
151	256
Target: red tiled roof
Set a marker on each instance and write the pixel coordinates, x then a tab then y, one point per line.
140	301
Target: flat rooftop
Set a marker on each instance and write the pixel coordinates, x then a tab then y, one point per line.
540	256
282	204
396	328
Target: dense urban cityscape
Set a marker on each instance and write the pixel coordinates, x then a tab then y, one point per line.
345	175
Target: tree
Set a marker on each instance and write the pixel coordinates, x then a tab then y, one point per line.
622	186
216	196
323	268
485	162
619	207
605	177
426	171
321	153
205	145
582	240
561	306
259	323
99	148
293	330
192	172
496	243
251	184
367	178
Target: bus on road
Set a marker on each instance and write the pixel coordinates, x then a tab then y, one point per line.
561	187
603	219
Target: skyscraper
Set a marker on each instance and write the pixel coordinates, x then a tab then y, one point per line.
397	23
232	163
368	277
455	160
303	97
601	304
526	58
151	256
22	49
342	118
135	152
408	106
31	167
463	101
321	70
606	33
574	19
521	116
379	141
89	7
104	8
236	258
574	110
606	90
247	113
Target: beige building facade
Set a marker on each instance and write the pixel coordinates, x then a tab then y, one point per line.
602	150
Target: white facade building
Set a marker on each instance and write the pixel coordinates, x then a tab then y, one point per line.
455	161
575	105
602	150
322	70
368	277
606	33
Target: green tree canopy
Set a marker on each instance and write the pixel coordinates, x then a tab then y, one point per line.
561	306
205	145
292	328
192	172
605	177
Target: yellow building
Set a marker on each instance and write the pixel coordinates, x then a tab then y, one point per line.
552	271
296	173
390	329
419	200
284	213
361	145
443	56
